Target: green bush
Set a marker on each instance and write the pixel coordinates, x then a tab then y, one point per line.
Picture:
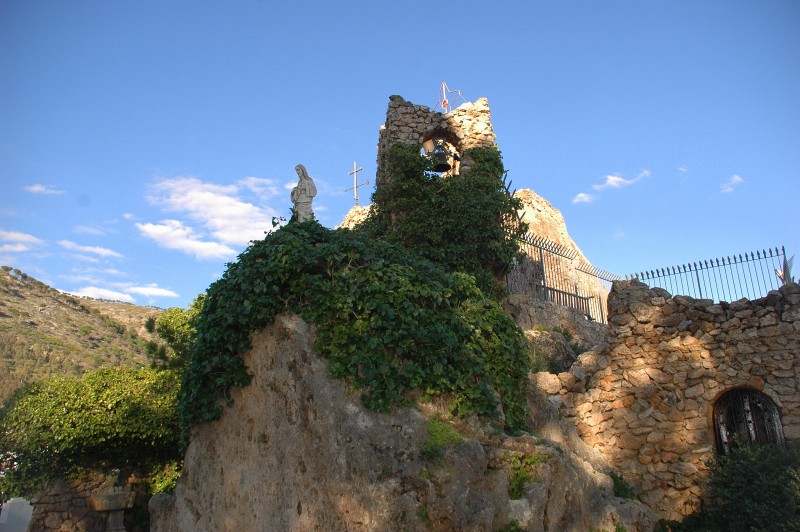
111	417
523	471
387	321
752	488
756	487
621	486
176	327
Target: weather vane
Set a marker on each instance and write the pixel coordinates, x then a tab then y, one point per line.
354	173
445	99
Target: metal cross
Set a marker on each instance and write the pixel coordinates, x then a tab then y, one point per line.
354	173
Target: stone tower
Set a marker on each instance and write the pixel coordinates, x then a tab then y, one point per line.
468	126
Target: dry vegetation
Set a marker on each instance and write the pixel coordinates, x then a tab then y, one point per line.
45	332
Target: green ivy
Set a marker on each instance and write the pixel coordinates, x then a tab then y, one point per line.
464	223
387	321
117	416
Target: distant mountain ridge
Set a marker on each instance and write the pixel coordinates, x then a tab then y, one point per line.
45	332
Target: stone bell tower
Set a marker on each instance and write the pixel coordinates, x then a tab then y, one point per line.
467	126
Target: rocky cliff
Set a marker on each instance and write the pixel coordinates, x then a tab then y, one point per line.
298	451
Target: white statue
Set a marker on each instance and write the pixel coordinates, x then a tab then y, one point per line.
303	194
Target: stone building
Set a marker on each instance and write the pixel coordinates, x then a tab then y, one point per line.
679	379
468	126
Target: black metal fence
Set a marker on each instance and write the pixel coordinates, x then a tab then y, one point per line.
555	273
727	279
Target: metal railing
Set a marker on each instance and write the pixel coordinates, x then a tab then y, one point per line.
724	279
551	272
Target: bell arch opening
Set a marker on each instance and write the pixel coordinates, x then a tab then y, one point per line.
743	416
442	148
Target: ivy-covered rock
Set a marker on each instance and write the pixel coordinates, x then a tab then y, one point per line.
464	223
387	321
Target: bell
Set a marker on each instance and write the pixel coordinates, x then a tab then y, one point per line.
440	161
436	149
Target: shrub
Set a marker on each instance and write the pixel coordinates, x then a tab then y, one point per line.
522	471
752	488
756	487
621	486
113	416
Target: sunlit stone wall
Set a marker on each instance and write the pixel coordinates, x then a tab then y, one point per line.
646	401
468	126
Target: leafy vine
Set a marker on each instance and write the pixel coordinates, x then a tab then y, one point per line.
387	321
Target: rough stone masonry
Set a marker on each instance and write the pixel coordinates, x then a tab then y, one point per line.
645	401
468	126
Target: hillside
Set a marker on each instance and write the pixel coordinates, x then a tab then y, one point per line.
45	332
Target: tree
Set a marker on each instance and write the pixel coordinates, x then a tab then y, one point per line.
111	417
176	327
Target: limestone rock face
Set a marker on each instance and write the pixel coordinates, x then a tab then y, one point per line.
356	215
545	221
554	268
527	313
298	451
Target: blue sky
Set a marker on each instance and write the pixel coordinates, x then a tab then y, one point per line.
143	144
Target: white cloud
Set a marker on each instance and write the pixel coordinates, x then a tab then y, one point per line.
731	183
14	248
86	258
615	181
80	278
218	208
22	238
265	188
103	293
42	189
289	185
583	197
88	230
128	216
95	250
619	234
172	234
151	290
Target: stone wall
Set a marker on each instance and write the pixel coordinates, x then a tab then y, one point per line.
468	126
645	402
67	504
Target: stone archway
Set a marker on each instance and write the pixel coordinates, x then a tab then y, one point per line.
744	415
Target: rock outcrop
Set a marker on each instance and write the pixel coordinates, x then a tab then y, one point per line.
298	451
356	215
545	221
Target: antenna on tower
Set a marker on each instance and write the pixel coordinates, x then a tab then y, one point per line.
447	98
